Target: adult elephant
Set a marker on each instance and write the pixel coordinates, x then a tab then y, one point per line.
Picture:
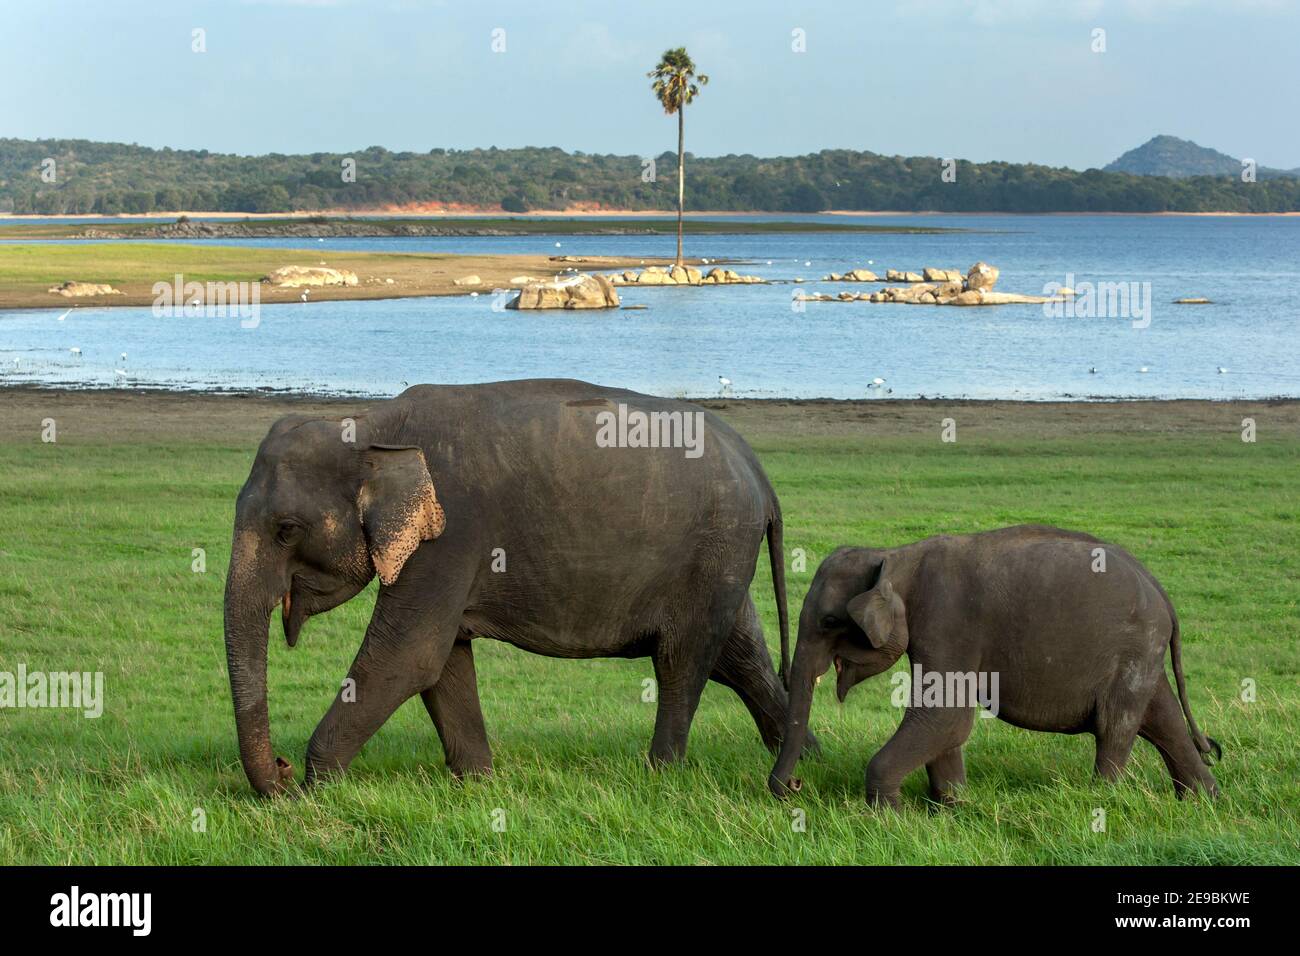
564	518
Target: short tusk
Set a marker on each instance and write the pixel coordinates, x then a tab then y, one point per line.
286	603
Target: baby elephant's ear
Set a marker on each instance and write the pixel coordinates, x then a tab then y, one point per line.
397	505
881	615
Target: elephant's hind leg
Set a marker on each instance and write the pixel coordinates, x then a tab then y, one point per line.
1115	739
680	676
687	652
453	704
1115	723
745	666
1165	726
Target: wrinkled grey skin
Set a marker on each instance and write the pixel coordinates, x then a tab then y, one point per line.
609	552
1075	650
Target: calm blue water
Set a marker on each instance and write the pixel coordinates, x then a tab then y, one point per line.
1250	267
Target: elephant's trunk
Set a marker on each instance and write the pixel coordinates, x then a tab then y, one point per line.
811	658
246	619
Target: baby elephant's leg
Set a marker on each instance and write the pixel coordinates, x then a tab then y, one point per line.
947	773
925	735
1165	726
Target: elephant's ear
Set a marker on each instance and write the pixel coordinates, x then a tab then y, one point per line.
397	505
881	614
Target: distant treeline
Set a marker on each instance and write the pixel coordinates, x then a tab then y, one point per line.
111	178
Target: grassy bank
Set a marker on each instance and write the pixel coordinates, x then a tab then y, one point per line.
27	272
96	574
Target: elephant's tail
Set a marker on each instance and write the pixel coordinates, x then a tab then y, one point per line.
776	554
1206	745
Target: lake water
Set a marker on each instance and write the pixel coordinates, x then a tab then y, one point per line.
687	338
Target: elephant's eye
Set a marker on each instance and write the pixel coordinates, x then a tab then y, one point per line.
288	532
830	620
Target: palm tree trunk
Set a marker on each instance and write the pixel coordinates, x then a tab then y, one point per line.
681	175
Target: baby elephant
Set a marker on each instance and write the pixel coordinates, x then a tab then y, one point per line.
1049	629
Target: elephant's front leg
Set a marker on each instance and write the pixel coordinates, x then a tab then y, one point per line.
410	637
925	735
947	773
454	706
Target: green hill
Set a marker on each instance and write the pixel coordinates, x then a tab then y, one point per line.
108	178
1180	158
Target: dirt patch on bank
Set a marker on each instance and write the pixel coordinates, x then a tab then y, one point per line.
112	416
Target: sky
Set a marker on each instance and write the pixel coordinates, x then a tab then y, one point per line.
1014	80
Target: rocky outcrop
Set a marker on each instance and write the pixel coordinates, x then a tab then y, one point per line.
684	275
945	287
79	290
295	277
983	297
982	276
581	291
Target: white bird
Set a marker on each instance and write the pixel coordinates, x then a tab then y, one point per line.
871	262
724	382
1222	370
704	261
75	351
876	383
123	358
807	262
303	297
15	361
769	262
1144	369
557	245
120	372
1092	370
197	301
320	240
65	315
473	295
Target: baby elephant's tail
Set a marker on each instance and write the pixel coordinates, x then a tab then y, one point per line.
1206	745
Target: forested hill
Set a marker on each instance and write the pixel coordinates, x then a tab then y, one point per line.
90	177
1171	156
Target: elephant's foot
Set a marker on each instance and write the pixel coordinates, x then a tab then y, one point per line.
878	799
658	758
471	770
781	789
941	800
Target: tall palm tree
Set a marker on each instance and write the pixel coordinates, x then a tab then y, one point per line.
675	85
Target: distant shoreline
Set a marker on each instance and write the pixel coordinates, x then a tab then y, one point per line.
581	213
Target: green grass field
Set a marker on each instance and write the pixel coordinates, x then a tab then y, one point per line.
96	533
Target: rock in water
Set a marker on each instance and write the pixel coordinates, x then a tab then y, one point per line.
981	277
581	291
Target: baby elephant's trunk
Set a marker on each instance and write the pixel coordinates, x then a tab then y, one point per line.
810	661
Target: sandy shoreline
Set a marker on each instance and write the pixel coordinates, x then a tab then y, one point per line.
96	416
134	268
580	213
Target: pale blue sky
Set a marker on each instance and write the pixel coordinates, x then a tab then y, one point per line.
976	79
